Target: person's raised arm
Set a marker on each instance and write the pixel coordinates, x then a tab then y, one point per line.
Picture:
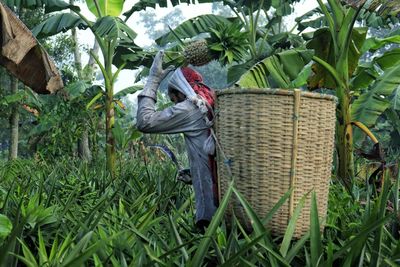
178	118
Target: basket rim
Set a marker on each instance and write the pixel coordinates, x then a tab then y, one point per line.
274	91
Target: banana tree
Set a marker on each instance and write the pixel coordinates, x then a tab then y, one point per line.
254	33
338	49
363	90
115	39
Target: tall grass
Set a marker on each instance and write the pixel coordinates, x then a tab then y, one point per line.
72	214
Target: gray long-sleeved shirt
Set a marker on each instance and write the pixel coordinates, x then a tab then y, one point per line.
185	118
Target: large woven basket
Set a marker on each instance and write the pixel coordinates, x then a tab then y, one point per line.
274	140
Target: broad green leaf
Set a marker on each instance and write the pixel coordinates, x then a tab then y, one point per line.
383	8
375	43
236	71
94	99
371	104
58	23
192	27
369	72
14	98
106	7
32	98
49	5
324	48
364	76
128	90
143	4
5	226
118	133
132	56
76	89
308	20
113	28
281	69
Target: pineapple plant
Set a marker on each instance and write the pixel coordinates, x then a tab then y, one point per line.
225	43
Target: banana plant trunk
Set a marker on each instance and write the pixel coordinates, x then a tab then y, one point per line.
14	121
344	144
110	119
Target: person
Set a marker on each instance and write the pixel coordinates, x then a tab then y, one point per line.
192	115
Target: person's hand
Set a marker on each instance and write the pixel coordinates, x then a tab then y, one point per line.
184	176
156	69
155	77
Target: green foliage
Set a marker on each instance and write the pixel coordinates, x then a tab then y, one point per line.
228	43
61	22
97	220
193	27
49	5
280	70
104	8
324	48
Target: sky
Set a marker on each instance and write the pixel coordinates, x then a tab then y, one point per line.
126	77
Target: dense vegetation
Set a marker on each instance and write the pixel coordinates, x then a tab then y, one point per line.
88	189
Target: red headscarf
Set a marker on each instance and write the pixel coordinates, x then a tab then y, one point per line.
196	82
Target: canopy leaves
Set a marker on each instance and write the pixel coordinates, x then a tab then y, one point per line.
105	7
278	70
58	23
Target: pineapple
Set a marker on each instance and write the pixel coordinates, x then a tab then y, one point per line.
197	53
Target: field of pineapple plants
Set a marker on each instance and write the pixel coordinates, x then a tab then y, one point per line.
81	186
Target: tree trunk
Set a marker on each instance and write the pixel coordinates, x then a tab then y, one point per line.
83	144
344	144
110	141
14	121
91	63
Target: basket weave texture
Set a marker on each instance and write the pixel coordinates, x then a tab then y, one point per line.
270	149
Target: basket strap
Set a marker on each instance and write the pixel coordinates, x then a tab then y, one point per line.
296	111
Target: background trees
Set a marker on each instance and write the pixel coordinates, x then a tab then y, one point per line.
51	201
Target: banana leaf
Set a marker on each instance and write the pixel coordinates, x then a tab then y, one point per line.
143	4
58	23
370	105
192	27
308	20
383	8
106	7
113	28
369	72
49	5
324	48
277	71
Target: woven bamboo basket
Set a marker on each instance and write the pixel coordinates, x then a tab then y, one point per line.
274	140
